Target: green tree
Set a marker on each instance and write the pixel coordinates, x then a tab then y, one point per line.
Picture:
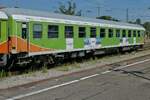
107	18
69	9
147	27
104	17
138	21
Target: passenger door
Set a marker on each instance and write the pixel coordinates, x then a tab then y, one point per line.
25	37
69	37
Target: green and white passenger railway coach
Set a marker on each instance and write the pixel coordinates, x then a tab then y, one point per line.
29	35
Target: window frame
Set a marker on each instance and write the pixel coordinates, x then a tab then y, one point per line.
81	34
124	33
134	33
71	35
54	33
102	34
129	33
110	33
118	33
93	32
40	36
139	33
142	33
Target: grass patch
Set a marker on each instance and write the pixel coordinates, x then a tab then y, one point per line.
4	74
44	69
68	67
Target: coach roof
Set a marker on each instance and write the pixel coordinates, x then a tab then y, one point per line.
3	15
35	13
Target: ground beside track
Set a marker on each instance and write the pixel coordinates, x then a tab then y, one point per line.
67	69
130	81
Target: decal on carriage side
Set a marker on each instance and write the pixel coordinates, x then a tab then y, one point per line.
69	43
134	40
124	41
86	43
90	43
98	42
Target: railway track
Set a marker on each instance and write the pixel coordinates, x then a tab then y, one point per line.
147	45
110	67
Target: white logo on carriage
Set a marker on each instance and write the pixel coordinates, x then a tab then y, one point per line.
69	43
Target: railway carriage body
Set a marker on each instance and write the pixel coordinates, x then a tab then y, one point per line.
31	33
3	37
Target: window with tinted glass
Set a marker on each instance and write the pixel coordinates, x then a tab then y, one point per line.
37	31
134	33
24	33
69	31
110	34
117	33
53	31
82	32
124	33
129	33
93	32
139	33
102	33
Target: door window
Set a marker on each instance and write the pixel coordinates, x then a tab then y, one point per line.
24	30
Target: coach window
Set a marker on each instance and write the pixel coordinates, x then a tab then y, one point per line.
93	32
142	33
129	33
82	32
134	33
124	33
37	31
139	34
53	31
102	33
117	33
69	31
110	34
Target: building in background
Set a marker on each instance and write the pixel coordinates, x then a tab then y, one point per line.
1	6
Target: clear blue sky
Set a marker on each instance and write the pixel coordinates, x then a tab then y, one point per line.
115	8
